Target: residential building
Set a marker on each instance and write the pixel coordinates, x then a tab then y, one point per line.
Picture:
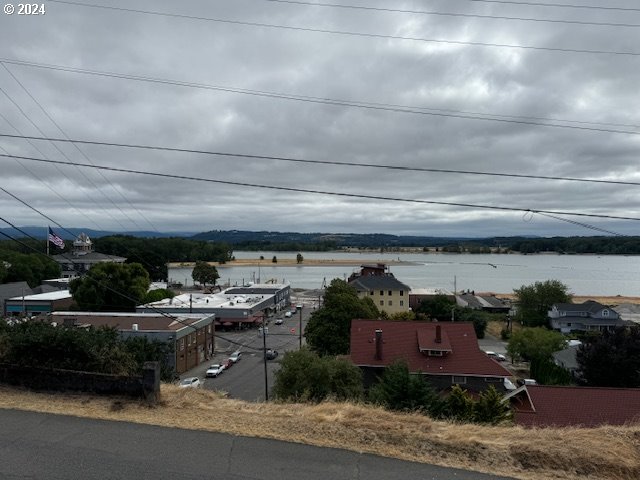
446	354
377	283
487	303
555	406
190	335
587	316
82	258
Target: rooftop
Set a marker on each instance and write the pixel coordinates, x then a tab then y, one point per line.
405	340
545	406
48	296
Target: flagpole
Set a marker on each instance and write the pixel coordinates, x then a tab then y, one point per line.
47	237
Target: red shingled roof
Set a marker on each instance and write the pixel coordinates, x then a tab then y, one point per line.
545	406
401	341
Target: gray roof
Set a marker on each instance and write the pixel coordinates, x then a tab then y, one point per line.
13	289
252	291
91	257
378	282
588	306
567	358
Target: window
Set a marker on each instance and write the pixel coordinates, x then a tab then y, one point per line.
402	293
390	302
457	379
181	344
563	314
390	293
605	313
371	292
382	303
435	353
402	303
493	379
381	293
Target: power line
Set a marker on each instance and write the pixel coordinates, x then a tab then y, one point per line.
336	194
320	162
350	33
346	103
585	225
64	155
107	287
451	14
557	5
80	151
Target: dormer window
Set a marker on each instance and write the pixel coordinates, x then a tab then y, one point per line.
605	313
435	353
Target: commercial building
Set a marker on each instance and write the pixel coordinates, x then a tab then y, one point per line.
236	307
38	303
190	335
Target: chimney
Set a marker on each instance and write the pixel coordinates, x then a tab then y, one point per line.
438	334
378	344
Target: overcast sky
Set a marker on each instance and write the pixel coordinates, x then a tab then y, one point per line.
412	77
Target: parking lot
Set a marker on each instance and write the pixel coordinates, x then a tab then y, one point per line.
245	379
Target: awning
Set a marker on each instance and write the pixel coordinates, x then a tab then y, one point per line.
227	324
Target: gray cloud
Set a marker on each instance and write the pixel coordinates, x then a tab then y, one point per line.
499	81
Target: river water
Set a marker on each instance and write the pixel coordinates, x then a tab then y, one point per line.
501	273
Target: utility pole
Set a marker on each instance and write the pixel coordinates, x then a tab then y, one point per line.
299	307
264	357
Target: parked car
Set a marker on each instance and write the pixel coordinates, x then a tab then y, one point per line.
235	356
227	363
496	356
279	321
215	370
190	382
288	314
271	354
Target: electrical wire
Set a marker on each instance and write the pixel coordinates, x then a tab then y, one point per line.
107	287
451	14
557	5
51	119
323	162
511	119
64	155
350	33
336	194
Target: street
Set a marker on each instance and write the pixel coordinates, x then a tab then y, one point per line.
245	379
38	445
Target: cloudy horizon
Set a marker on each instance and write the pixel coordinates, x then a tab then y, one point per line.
271	79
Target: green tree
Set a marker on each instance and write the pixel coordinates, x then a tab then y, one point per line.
535	343
329	329
437	308
548	373
304	376
400	390
612	360
299	258
491	408
158	294
204	273
479	320
460	405
534	301
31	268
111	287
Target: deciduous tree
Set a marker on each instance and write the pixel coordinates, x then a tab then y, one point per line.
111	287
329	329
534	301
535	343
204	273
612	360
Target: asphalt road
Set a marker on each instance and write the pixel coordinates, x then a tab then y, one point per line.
58	447
245	380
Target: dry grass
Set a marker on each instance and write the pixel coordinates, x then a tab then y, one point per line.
603	453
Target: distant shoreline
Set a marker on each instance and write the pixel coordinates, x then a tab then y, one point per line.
292	262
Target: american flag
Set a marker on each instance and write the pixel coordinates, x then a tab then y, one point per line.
55	239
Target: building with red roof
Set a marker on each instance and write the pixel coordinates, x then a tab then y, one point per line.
446	354
555	406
